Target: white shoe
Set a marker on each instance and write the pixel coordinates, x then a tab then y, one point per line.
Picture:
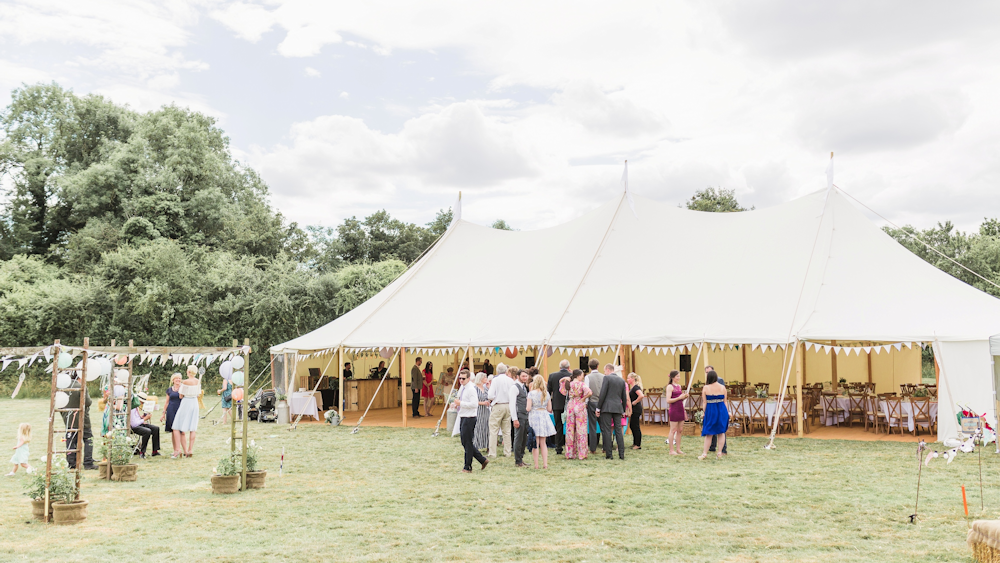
11	474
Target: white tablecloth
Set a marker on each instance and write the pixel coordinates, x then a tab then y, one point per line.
770	407
906	411
830	419
304	404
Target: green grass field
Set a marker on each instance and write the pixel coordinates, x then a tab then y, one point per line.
398	495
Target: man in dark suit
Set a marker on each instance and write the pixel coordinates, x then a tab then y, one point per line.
593	380
613	404
559	402
520	418
73	425
416	384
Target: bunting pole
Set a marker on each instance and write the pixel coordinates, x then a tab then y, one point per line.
695	366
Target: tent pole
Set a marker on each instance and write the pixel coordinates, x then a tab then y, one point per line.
694	366
545	360
781	392
402	380
833	364
340	383
799	377
869	363
743	348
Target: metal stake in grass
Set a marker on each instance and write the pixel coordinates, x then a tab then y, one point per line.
920	466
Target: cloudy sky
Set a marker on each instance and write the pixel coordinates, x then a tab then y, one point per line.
530	108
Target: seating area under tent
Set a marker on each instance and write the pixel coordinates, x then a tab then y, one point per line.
797	297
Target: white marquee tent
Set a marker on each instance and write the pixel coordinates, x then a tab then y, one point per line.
813	269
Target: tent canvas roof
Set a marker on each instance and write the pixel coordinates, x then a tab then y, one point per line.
814	268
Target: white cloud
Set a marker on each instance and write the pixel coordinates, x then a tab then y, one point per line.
249	21
311	72
345	95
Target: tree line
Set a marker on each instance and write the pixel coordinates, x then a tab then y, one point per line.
127	225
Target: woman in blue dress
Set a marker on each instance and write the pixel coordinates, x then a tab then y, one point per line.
715	421
173	402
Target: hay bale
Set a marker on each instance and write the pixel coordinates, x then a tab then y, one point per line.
984	539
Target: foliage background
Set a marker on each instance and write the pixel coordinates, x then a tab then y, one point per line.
137	226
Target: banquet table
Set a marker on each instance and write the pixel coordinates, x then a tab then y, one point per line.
303	403
742	406
906	411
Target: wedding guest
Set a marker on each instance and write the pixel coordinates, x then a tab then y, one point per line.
593	380
715	421
481	436
186	419
468	408
577	395
539	407
715	439
348	371
173	402
427	392
559	402
500	393
381	369
610	409
519	416
416	386
139	421
73	425
487	368
676	414
227	399
635	397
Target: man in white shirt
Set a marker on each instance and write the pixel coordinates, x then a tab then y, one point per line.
500	393
468	405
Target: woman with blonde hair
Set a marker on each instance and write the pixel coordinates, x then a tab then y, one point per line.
482	432
539	407
170	412
186	419
635	397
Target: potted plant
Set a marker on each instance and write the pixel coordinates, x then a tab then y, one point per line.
226	479
255	475
332	417
122	450
104	466
64	507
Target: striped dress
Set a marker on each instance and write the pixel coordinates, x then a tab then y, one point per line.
480	438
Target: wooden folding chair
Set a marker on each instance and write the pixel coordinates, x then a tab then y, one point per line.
784	415
921	409
654	411
737	414
856	407
873	413
758	414
894	414
831	408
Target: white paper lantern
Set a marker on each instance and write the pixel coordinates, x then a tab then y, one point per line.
238	378
63	380
238	362
105	366
226	370
93	369
121	376
62	399
119	390
65	360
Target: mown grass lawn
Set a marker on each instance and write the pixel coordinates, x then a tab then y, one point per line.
390	494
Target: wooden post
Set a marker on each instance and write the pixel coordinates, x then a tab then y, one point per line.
743	348
545	361
833	365
243	415
81	416
273	385
799	378
340	384
402	380
869	364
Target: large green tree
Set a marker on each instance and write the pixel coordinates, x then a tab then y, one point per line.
717	200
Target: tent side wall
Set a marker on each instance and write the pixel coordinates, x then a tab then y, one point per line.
966	379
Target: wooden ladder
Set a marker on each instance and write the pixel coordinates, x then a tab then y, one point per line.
118	419
76	418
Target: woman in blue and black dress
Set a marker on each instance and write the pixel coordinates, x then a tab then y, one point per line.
715	421
173	401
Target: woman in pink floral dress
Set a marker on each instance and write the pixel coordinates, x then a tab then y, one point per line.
576	415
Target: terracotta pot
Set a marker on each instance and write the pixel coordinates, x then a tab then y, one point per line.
38	509
225	484
102	469
255	479
69	513
124	472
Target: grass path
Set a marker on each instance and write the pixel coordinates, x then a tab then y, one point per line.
398	495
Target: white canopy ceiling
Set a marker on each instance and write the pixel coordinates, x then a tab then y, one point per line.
814	268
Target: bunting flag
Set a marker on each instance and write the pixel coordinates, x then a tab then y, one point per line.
5	364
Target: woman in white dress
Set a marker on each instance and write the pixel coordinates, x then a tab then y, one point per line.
186	419
539	407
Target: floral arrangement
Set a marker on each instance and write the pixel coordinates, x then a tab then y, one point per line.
698	417
120	447
921	392
332	417
232	464
760	392
62	486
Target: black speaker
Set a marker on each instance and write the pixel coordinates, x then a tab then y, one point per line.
685	362
585	363
529	362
